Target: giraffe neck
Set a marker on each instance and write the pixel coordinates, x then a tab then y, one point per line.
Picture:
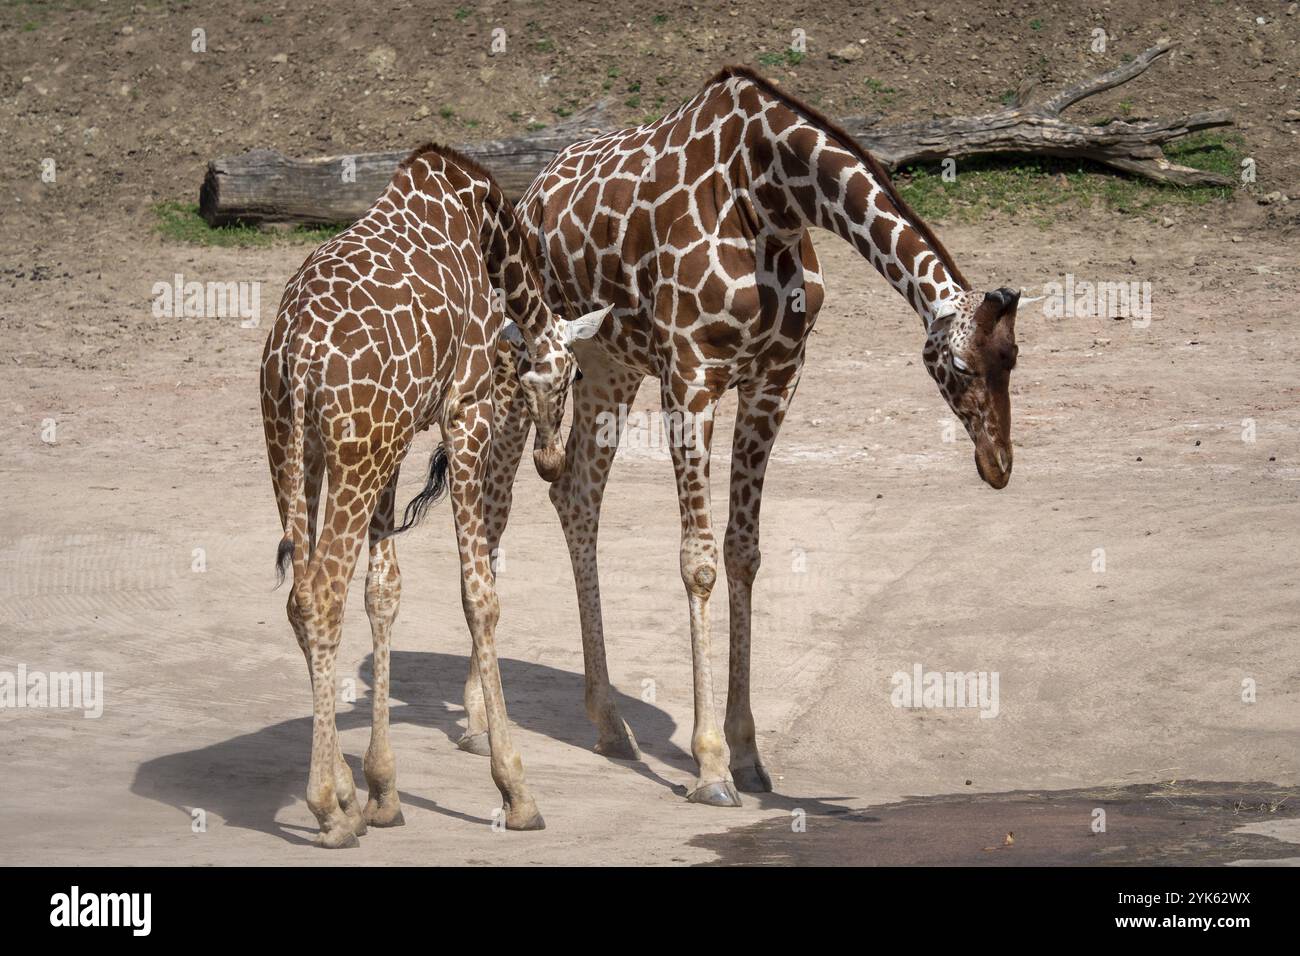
516	283
815	179
512	269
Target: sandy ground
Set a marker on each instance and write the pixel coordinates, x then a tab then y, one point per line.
882	550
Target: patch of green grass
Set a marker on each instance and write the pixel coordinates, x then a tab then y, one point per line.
1035	24
660	19
633	101
446	112
181	222
462	13
544	45
1048	189
781	58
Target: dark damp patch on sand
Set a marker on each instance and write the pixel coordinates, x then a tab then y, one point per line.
1185	823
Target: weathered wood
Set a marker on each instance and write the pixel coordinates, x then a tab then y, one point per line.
1025	126
265	186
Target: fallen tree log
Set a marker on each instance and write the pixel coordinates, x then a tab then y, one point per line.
263	186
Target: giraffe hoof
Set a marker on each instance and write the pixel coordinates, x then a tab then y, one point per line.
340	839
379	815
475	744
358	824
528	820
752	779
619	748
720	793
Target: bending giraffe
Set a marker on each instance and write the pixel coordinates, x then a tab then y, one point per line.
387	329
695	229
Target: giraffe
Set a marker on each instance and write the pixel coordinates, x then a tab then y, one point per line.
694	229
388	328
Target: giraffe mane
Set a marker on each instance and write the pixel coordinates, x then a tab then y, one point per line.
495	194
828	125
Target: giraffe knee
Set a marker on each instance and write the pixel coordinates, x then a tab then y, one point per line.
742	558
316	613
482	608
383	589
560	490
699	568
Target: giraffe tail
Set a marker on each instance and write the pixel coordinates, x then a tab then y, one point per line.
294	546
434	488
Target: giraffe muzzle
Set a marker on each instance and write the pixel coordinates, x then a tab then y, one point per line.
994	466
549	461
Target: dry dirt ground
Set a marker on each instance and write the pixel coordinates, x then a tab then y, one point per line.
139	543
883	550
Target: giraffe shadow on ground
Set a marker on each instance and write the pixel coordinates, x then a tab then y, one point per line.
248	779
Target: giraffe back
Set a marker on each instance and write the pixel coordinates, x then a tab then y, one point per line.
391	317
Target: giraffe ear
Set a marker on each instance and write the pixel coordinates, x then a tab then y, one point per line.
512	333
585	326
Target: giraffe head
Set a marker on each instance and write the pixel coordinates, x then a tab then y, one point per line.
970	352
546	368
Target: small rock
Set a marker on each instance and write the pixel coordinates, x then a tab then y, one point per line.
381	59
847	54
280	58
1166	222
1274	197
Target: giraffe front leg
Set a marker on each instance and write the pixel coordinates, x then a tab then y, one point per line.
699	566
761	410
577	495
469	439
510	426
383	596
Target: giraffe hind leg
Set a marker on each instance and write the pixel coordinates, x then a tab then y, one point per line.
383	595
319	604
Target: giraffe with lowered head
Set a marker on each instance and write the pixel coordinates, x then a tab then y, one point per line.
694	229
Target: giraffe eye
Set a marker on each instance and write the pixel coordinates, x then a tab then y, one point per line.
960	365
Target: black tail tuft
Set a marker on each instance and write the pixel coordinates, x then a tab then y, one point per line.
283	559
434	489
